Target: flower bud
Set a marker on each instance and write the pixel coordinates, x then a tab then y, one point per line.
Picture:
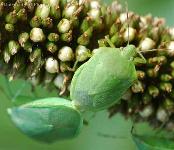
47	22
36	54
94	14
9	27
129	34
64	26
125	16
153	91
147	44
35	22
165	86
42	11
171	48
146	112
66	54
70	9
58	81
82	53
66	37
162	115
52	65
53	37
84	39
65	66
13	47
141	74
51	2
6	55
22	38
168	104
11	17
165	77
138	87
151	72
51	47
28	47
95	4
37	35
171	31
22	14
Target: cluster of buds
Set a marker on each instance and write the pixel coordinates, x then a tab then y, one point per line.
45	41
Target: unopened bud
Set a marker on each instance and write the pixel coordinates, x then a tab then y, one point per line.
66	54
37	35
52	65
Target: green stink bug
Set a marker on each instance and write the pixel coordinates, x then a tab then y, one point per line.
47	119
104	78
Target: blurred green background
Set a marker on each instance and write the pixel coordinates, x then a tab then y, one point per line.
89	139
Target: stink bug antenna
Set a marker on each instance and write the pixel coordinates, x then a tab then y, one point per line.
139	51
127	15
155	49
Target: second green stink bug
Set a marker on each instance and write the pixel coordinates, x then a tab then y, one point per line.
104	78
47	119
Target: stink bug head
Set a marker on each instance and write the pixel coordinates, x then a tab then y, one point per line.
129	52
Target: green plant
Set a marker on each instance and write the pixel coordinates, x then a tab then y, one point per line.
49	35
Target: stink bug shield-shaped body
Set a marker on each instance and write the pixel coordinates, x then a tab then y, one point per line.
47	119
102	81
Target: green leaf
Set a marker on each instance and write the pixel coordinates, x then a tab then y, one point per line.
48	119
145	142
